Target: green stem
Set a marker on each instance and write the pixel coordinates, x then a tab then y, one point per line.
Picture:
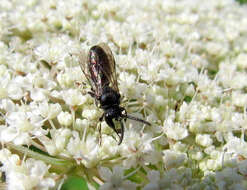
58	164
37	145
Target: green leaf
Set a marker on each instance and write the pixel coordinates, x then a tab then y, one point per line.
75	183
242	1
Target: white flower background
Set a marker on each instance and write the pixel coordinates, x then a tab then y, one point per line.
181	66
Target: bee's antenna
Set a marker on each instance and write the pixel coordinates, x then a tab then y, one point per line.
122	133
136	119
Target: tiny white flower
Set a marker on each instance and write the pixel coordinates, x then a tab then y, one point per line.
138	149
74	97
212	164
57	143
237	146
26	174
239	99
230	78
7	105
216	115
56	94
215	49
228	178
154	178
38	94
241	60
114	180
190	91
69	77
175	131
109	146
55	49
49	111
43	81
14	91
21	62
178	146
91	113
81	124
3	93
84	151
204	140
64	79
26	82
21	127
173	159
171	179
65	118
121	39
197	155
4	72
127	82
208	88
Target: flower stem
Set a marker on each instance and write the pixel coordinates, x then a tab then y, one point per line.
57	164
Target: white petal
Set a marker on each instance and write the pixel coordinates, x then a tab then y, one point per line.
151	186
7	134
118	171
106	186
105	173
129	185
38	94
154	176
24	138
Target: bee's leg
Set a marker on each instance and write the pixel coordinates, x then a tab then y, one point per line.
80	85
111	124
93	95
122	132
102	117
100	136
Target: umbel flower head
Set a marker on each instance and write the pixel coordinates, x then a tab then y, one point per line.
180	65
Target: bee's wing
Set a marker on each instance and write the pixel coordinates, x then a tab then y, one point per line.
109	67
84	62
99	68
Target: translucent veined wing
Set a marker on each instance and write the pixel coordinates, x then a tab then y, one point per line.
93	79
107	65
99	67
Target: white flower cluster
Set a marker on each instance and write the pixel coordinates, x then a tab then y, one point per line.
181	65
26	174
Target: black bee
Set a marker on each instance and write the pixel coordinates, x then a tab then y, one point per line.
100	70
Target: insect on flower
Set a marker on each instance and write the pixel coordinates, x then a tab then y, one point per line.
100	70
